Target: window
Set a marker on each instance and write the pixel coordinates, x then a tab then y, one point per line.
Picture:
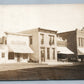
11	55
30	39
0	40
53	53
3	40
42	38
51	41
25	56
81	42
3	55
48	53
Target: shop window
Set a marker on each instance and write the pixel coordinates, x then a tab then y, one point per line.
53	49
11	55
30	40
3	55
25	56
48	53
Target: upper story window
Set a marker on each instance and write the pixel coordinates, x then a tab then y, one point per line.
51	40
30	40
42	38
81	42
3	40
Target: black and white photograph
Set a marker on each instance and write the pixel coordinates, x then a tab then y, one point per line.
42	42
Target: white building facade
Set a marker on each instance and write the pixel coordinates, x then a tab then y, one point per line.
15	48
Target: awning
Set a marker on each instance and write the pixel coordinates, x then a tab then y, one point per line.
64	50
20	49
80	51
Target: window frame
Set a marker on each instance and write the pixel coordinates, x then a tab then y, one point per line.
3	54
30	40
48	53
10	57
42	39
53	53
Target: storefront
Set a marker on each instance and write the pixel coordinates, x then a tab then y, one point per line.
64	54
19	53
81	54
18	48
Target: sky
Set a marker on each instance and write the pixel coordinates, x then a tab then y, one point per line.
59	17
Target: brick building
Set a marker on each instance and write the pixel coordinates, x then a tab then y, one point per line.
63	52
75	42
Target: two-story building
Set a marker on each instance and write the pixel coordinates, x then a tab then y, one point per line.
43	43
75	42
14	47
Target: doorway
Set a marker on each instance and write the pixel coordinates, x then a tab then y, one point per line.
42	54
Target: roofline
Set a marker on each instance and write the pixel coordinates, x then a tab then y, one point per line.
46	30
19	34
66	32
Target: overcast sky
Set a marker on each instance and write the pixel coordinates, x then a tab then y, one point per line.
60	17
